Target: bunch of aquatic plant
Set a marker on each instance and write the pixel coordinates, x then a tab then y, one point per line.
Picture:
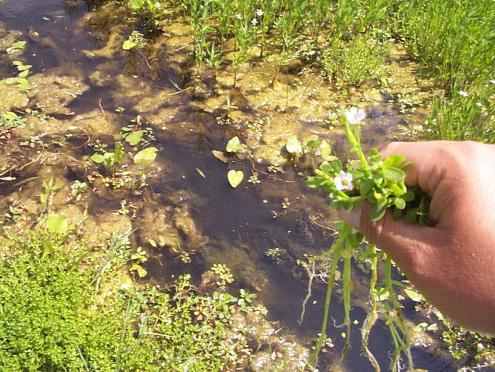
381	183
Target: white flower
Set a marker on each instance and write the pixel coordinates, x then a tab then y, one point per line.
463	93
492	81
355	115
238	16
254	22
259	12
343	181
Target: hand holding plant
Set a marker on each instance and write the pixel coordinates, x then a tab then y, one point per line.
447	189
380	182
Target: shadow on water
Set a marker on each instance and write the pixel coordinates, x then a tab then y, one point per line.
240	225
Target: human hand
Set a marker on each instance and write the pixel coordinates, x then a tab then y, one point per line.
451	262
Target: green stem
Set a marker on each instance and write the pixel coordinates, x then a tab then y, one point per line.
347	293
336	249
355	145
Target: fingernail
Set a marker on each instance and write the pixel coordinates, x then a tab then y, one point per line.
353	217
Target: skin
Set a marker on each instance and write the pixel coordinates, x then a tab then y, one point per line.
452	262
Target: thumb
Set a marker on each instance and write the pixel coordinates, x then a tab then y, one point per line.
406	243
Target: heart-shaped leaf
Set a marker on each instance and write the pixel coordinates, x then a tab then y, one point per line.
145	157
233	145
235	177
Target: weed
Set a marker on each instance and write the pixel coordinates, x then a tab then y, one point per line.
65	307
380	182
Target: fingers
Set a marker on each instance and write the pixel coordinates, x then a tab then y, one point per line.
405	243
430	161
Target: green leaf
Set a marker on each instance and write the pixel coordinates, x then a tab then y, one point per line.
412	215
134	138
146	157
400	203
129	44
118	155
378	213
24	74
57	224
393	174
293	146
136	4
235	177
98	158
413	295
233	145
16	46
10	81
394	161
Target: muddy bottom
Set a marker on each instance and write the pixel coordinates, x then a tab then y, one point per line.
86	89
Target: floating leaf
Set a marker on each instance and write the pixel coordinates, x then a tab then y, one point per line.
134	138
10	81
220	156
233	145
18	45
235	177
57	224
294	146
129	44
146	157
98	158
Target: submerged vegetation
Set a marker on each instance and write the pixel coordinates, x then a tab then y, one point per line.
73	296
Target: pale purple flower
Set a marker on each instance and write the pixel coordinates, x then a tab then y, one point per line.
259	12
343	181
355	115
463	93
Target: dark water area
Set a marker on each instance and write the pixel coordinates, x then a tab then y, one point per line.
241	224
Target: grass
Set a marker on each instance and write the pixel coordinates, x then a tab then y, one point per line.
454	42
66	307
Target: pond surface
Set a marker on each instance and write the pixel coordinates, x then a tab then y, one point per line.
216	223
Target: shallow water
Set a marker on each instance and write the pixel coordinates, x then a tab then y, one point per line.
236	227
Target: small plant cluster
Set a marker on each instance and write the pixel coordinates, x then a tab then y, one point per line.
381	183
281	28
20	81
139	139
9	120
64	307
